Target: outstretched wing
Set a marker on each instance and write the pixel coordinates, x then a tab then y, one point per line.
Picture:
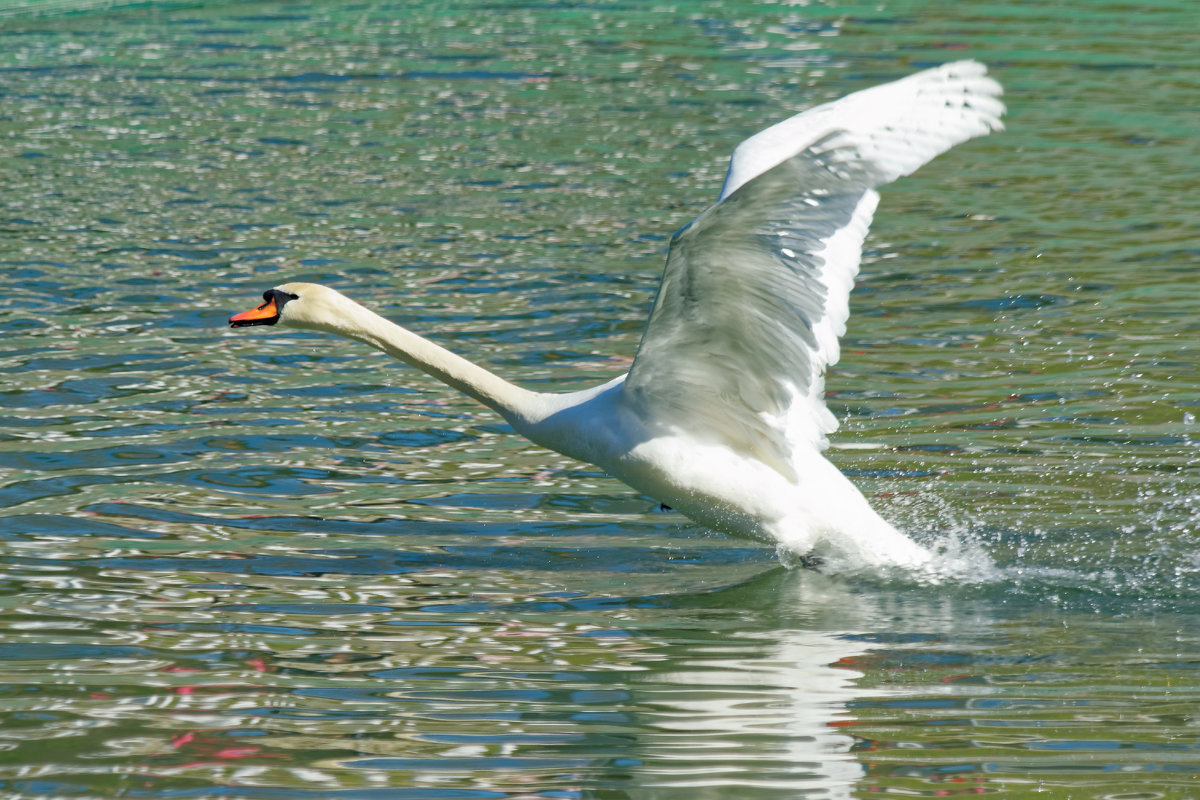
756	289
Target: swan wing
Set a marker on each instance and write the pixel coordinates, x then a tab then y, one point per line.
756	289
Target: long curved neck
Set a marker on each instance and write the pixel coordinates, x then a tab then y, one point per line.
515	404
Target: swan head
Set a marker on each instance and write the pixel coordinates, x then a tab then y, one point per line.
301	305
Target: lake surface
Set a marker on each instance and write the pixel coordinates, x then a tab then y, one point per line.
259	564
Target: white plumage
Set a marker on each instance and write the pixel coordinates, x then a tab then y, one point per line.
722	415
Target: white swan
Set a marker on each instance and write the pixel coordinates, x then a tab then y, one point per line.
722	415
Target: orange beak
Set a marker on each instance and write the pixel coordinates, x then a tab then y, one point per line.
266	314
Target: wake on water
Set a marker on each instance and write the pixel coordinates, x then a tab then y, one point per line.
1154	560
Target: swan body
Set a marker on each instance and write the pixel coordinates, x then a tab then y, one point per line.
722	415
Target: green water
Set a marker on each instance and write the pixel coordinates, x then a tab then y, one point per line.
254	564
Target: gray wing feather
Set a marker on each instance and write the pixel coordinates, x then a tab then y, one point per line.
735	335
755	291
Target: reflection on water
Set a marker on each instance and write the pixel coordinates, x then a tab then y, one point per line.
757	710
787	682
283	567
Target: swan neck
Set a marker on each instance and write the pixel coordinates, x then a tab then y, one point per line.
515	404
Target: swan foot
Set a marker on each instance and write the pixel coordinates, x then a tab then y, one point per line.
811	561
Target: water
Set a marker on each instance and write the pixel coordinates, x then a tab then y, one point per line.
254	564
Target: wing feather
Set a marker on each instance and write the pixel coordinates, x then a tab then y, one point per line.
756	289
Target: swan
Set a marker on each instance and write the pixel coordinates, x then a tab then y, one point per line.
722	415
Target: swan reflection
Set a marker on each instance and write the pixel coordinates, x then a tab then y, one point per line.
766	710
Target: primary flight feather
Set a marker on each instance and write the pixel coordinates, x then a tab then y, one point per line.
722	415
